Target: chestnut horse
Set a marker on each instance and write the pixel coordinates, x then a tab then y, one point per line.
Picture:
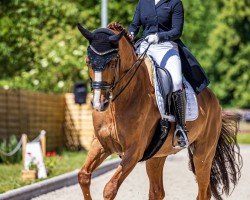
126	126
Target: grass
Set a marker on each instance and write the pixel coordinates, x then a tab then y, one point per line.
10	175
244	138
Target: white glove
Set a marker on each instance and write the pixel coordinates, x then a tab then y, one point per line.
152	39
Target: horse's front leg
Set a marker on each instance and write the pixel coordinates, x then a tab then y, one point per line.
95	157
129	160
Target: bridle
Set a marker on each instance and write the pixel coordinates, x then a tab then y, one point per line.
116	80
102	84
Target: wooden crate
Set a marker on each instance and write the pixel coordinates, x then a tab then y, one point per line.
29	175
79	128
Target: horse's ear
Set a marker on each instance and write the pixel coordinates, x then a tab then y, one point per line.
87	34
115	38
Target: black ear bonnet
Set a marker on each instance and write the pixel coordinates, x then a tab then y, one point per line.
101	51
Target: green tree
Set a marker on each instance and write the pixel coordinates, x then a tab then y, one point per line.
40	46
229	53
199	22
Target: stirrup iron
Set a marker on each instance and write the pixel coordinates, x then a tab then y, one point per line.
183	134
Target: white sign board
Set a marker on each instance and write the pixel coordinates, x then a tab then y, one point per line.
34	156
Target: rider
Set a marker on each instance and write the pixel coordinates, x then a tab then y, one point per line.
162	22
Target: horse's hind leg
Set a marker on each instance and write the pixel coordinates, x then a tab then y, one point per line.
204	152
154	168
96	156
202	164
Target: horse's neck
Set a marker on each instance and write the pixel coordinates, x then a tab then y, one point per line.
132	98
135	95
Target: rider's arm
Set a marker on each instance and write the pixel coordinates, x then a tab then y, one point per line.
177	24
136	23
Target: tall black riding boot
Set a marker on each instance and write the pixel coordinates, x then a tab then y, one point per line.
180	134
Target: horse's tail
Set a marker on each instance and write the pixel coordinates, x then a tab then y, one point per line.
227	163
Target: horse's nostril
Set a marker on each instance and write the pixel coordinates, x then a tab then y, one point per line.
92	103
105	105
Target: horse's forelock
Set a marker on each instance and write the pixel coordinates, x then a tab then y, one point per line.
115	26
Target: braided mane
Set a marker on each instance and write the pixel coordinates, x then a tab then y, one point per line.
115	26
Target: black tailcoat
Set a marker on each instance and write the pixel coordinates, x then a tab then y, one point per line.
166	18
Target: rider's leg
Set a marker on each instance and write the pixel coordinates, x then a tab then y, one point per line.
173	65
157	52
166	55
172	62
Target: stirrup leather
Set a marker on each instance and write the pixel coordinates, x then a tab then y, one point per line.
165	127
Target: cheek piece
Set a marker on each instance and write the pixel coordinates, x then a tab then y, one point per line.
98	62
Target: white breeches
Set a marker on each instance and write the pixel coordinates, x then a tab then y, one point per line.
166	55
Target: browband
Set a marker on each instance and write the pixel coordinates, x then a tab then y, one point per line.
102	53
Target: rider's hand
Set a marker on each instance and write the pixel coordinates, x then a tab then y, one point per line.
152	39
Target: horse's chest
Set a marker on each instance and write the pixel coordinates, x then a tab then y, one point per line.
106	131
108	137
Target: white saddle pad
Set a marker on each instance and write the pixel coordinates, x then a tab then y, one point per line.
192	104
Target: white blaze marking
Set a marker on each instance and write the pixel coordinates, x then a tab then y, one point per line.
97	92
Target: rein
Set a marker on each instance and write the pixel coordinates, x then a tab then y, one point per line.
140	60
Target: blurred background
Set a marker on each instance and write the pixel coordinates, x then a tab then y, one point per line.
42	50
42	56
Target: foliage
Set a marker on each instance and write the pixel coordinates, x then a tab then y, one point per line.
39	45
244	138
33	162
7	146
10	175
229	45
41	48
33	166
51	161
195	31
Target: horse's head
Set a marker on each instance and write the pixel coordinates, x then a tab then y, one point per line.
103	62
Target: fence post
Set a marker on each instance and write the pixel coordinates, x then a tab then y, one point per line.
43	142
24	143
